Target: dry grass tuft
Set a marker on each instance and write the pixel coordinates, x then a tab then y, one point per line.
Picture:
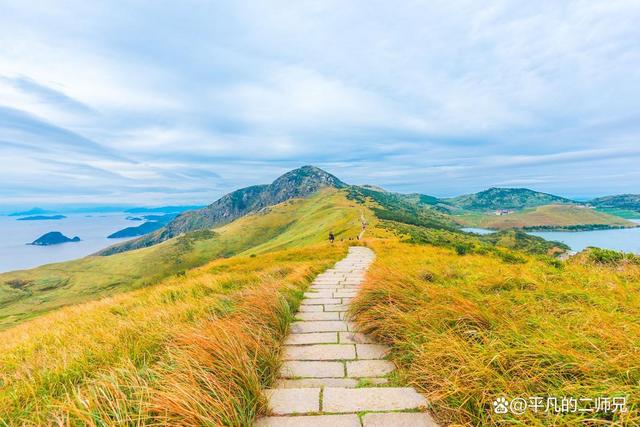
468	329
195	350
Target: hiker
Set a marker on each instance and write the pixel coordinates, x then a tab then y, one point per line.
331	237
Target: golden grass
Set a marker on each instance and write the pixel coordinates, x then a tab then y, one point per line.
468	329
193	350
294	223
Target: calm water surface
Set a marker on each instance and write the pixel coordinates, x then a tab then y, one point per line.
627	239
93	229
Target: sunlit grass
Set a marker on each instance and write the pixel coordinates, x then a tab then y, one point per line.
193	350
295	223
467	329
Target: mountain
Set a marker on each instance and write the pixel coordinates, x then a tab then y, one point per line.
34	211
41	217
140	230
548	217
163	209
153	223
621	201
53	238
298	183
505	198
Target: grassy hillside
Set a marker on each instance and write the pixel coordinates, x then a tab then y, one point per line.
622	201
469	328
29	293
415	209
568	217
193	350
505	198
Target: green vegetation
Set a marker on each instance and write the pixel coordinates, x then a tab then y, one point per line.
610	257
465	243
622	213
469	328
505	198
414	209
193	350
548	217
622	201
291	224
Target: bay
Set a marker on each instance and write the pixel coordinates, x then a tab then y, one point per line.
92	229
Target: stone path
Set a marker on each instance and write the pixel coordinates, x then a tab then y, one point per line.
332	375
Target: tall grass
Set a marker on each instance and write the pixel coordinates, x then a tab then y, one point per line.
467	329
193	350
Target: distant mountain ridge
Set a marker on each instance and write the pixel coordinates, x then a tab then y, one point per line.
33	211
620	201
505	198
298	183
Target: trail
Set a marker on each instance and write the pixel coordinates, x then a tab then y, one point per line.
331	373
363	222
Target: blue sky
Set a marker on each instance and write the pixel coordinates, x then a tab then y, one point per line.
142	102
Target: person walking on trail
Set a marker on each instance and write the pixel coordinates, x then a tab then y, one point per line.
331	237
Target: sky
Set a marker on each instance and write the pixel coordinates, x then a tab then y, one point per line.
164	102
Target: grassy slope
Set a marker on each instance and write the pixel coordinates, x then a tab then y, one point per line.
622	213
193	350
29	293
468	329
544	216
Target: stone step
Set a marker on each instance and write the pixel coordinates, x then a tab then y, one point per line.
283	401
371	351
336	307
331	315
320	352
350	420
340	400
369	368
354	338
312	338
321	301
312	369
398	419
318	326
310	308
317	382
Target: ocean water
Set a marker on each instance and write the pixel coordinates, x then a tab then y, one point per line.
626	239
93	229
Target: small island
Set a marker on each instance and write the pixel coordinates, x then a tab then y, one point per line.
34	211
53	238
41	217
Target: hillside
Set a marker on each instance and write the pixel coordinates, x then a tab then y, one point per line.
301	182
189	331
28	293
548	217
624	205
467	328
505	198
194	350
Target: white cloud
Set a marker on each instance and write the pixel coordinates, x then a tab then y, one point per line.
432	96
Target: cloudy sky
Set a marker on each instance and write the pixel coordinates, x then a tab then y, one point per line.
157	102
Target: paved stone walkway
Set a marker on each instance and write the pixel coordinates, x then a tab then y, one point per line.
331	374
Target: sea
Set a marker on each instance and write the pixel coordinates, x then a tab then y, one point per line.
623	239
92	228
